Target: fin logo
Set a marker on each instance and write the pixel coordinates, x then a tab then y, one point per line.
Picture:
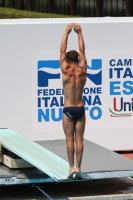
46	70
94	72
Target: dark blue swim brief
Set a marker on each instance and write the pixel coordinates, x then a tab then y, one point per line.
74	112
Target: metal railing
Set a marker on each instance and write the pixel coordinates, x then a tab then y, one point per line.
85	8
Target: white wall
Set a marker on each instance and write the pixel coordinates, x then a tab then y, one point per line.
25	41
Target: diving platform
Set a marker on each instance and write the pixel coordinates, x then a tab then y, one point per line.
48	160
98	162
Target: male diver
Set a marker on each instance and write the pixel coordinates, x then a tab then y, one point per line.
73	67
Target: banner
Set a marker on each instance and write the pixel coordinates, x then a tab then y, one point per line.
107	95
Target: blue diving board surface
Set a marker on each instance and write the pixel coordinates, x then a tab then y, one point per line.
43	159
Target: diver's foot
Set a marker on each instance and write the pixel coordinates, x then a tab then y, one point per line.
71	173
78	170
78	173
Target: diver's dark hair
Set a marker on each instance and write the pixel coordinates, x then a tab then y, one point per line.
72	56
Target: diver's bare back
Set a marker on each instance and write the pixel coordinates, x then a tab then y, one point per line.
74	78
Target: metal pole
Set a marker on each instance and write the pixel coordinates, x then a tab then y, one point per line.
72	7
127	7
99	6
